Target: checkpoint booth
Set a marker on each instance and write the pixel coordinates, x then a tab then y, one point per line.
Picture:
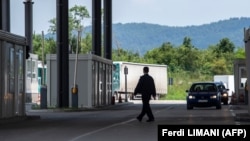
94	80
240	78
12	75
32	81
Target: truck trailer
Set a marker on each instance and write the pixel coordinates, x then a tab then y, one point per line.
227	80
133	71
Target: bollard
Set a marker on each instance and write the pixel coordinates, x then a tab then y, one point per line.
43	97
120	98
74	96
113	100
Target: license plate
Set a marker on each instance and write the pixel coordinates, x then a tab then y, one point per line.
202	101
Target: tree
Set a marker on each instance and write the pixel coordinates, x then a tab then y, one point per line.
52	27
49	46
219	67
188	56
165	54
223	57
76	17
224	46
77	14
187	42
37	45
123	55
86	44
205	61
240	53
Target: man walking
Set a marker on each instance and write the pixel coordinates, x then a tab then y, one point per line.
146	87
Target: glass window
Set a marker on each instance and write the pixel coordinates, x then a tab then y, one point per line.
21	71
242	77
20	64
12	70
34	69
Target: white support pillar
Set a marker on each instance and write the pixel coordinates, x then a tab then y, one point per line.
247	51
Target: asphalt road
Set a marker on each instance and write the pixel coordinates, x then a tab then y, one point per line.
113	123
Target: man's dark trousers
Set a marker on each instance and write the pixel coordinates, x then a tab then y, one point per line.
146	109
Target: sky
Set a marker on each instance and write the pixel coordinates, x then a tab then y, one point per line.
162	12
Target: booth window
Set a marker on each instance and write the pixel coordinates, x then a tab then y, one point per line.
12	71
243	77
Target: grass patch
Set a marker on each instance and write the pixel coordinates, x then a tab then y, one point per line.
181	82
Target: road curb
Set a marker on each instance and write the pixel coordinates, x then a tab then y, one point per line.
97	108
242	117
18	119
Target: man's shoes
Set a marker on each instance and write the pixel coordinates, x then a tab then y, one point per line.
150	120
139	119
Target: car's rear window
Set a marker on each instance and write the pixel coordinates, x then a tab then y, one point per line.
203	87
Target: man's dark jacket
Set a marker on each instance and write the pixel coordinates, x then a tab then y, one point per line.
146	87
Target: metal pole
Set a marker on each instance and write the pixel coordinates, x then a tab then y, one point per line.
126	99
126	72
76	58
43	79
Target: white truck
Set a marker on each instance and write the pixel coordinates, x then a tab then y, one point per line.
134	71
227	80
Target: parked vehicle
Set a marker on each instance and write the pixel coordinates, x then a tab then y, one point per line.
224	92
134	71
35	77
203	94
228	81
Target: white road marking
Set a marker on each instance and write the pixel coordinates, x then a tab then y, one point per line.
101	129
113	125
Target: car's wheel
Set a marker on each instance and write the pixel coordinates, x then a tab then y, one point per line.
189	107
226	103
218	106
